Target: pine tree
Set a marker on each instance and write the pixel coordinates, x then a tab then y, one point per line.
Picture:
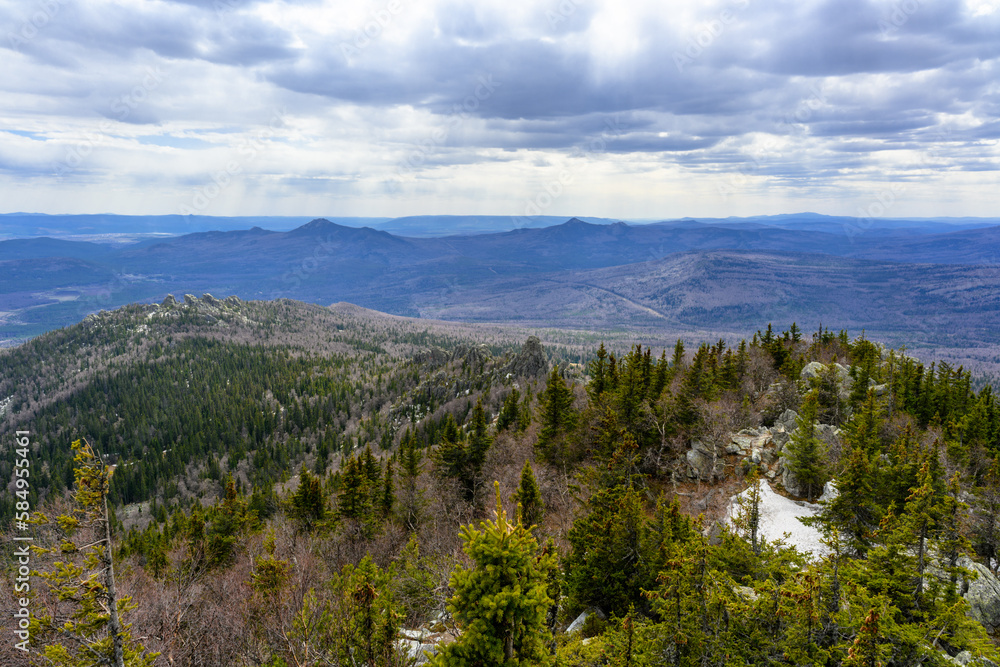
747	520
855	511
356	502
529	498
85	627
502	601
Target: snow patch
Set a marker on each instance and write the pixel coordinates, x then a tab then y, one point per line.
780	515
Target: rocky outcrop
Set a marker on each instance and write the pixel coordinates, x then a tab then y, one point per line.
530	361
762	447
814	370
705	461
983	595
965	658
169	301
473	358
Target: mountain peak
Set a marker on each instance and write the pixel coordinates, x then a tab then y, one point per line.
316	225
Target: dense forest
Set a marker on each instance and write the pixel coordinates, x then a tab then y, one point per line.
290	485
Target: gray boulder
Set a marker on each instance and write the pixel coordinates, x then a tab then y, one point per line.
787	420
169	301
812	370
700	464
789	480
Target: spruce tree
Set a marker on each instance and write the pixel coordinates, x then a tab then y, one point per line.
805	450
510	411
556	415
501	602
529	498
598	371
388	500
480	442
308	502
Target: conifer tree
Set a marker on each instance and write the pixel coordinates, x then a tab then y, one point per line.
805	450
747	520
479	444
356	501
598	371
308	502
510	411
412	502
677	360
854	512
556	415
502	601
85	627
867	650
609	565
388	492
529	498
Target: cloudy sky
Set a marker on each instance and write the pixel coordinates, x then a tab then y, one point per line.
397	107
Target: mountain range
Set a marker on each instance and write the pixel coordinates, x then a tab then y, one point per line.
926	282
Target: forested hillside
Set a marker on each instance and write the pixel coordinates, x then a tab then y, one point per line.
294	485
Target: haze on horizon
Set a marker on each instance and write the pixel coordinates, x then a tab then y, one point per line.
562	107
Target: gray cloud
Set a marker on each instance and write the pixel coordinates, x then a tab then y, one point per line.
800	91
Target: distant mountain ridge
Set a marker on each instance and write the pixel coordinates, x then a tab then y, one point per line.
688	272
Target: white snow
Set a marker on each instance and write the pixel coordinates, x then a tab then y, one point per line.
780	515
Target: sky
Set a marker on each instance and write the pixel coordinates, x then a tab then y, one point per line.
627	109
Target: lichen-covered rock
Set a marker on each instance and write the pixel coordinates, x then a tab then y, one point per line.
789	480
788	420
983	595
169	301
699	462
812	370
